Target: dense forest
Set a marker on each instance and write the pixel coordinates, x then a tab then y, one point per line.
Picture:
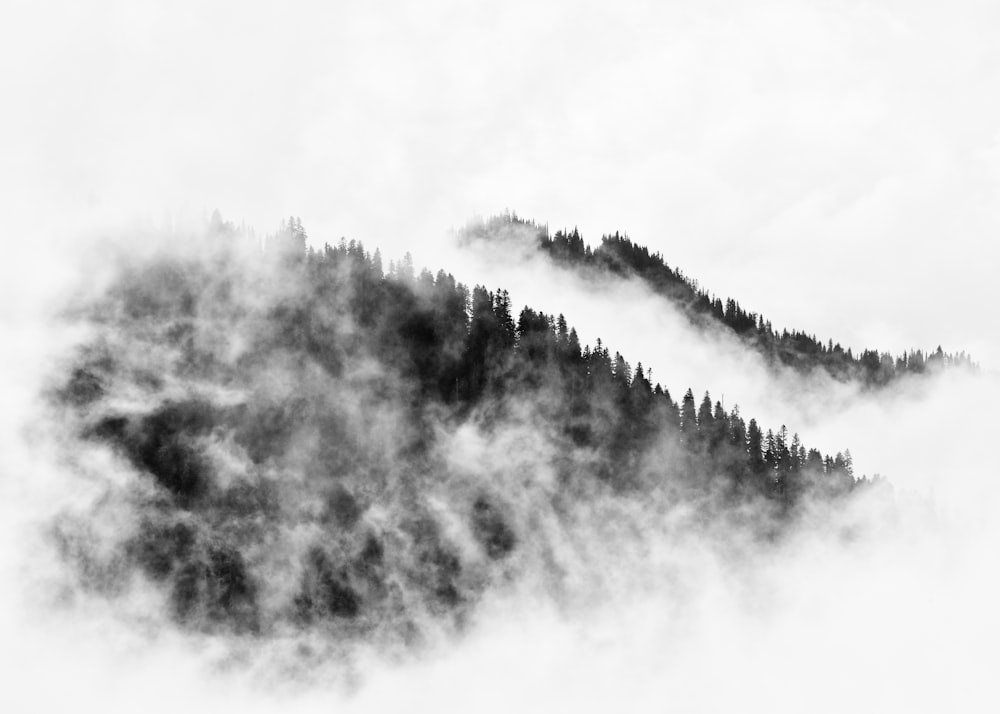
618	255
322	445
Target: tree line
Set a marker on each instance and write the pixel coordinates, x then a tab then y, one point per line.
618	255
467	349
289	415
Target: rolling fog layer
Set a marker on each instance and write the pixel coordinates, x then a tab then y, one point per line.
842	153
879	428
653	612
834	166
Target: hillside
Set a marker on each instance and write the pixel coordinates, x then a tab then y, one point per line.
314	447
619	256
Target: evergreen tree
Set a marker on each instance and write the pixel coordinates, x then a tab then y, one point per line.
705	416
689	420
755	450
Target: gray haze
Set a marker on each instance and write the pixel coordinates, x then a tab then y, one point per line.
901	613
833	165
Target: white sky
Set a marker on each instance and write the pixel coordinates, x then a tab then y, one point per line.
834	165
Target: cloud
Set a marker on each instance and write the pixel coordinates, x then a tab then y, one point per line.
833	168
834	153
615	602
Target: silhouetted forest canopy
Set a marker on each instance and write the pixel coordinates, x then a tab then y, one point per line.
618	255
300	420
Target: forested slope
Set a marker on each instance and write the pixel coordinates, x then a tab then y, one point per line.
316	445
619	256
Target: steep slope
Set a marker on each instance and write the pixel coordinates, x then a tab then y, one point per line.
305	448
617	255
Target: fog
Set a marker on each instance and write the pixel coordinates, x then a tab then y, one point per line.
880	428
654	613
833	167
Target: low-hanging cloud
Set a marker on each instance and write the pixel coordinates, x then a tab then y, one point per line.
612	603
830	413
849	148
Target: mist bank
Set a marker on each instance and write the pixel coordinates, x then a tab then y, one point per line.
288	442
624	310
206	482
617	256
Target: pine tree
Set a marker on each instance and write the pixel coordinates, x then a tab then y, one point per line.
755	449
404	271
689	420
705	416
737	430
562	332
505	320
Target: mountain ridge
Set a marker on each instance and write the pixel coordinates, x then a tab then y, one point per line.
319	448
619	256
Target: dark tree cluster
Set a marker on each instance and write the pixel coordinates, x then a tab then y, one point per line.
465	349
618	255
318	387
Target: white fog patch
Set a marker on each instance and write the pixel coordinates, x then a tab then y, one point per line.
881	428
651	612
887	624
850	149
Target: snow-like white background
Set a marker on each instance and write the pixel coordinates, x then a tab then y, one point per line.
835	166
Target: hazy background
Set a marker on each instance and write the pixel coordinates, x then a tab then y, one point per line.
833	165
